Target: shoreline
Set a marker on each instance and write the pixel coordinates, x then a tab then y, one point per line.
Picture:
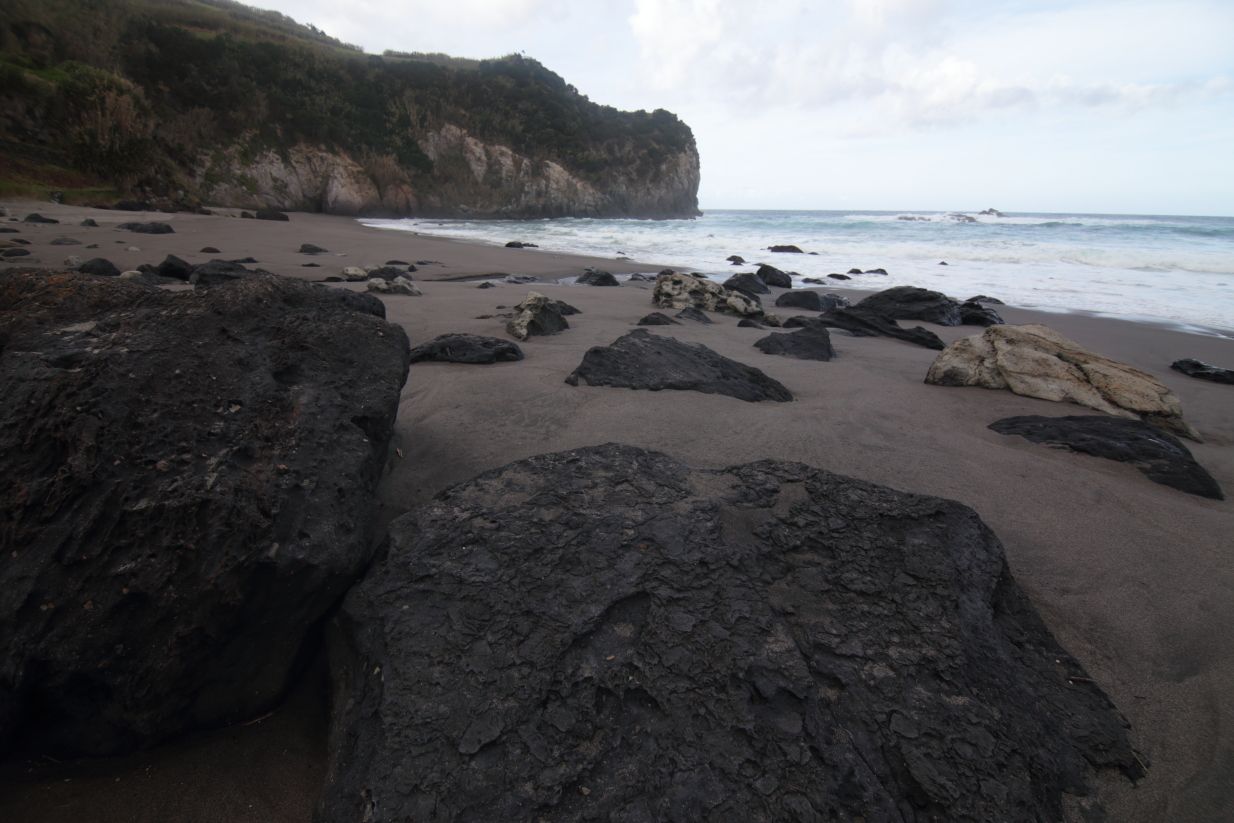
1133	578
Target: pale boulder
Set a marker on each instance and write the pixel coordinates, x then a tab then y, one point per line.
674	290
1036	361
399	285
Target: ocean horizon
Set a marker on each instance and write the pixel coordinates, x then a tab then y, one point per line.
1173	269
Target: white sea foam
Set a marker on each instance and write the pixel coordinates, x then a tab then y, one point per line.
1179	269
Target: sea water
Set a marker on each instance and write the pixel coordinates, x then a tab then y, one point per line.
1150	267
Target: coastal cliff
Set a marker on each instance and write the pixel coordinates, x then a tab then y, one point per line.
209	102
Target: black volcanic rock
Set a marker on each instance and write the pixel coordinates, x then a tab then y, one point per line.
563	308
173	266
595	277
839	277
774	277
691	313
35	217
607	634
912	303
981	298
1197	368
1160	456
187	483
388	273
99	266
642	360
785	249
872	325
736	259
311	248
518	244
657	319
747	283
875	271
975	314
271	214
90	223
15	253
749	323
209	250
811	343
467	348
216	272
810	300
152	227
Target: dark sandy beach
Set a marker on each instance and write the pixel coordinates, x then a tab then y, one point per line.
1135	579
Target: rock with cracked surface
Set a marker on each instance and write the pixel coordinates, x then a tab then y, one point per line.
467	348
912	303
1160	456
811	343
608	634
1203	371
187	480
1036	361
674	290
536	315
642	360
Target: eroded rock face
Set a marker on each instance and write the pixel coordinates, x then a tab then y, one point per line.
674	290
187	482
537	315
607	634
1036	361
642	360
467	348
1160	456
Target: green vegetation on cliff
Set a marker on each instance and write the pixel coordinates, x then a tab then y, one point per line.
138	94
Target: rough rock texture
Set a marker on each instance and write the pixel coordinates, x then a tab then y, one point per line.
642	360
187	481
657	319
217	272
399	285
606	634
811	343
153	227
537	315
1204	371
679	291
471	178
99	267
1037	361
595	277
810	300
774	277
467	348
973	313
1160	456
747	283
912	303
871	325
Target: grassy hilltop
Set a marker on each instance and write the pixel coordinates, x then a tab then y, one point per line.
108	97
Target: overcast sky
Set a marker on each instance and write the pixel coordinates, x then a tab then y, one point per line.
1120	106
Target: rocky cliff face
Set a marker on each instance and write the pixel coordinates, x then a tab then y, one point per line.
469	178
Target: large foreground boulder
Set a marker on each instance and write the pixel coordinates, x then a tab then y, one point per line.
674	290
642	360
186	488
607	634
1036	361
1160	456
